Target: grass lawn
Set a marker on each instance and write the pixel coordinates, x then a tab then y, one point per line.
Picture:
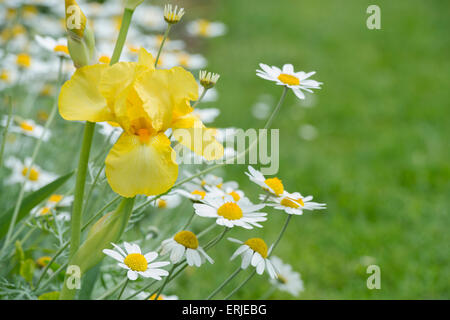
381	157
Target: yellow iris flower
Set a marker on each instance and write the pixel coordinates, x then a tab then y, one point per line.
145	102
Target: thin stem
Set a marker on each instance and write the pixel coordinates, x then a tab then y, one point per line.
268	293
216	240
189	221
231	277
5	131
201	97
166	280
123	289
112	290
33	159
77	208
126	20
166	34
240	286
280	235
141	290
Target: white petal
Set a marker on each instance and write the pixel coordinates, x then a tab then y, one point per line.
299	93
113	254
260	267
151	256
246	258
132	275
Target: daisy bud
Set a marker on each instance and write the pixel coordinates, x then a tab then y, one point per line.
208	79
132	4
173	15
80	38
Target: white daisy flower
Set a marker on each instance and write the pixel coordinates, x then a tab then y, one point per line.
294	203
53	202
272	185
144	295
168	201
297	81
136	263
227	189
206	115
185	244
287	279
183	59
208	79
230	213
27	127
172	14
56	46
150	17
37	177
205	28
254	251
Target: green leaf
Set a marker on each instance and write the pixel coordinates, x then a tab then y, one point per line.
54	295
27	270
30	202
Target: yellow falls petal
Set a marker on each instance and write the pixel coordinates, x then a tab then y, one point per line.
135	167
80	98
191	133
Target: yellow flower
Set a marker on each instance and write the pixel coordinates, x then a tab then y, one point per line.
145	102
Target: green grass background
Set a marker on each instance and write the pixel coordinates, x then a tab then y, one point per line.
381	158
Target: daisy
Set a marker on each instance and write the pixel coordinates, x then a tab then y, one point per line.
37	177
208	79
172	14
136	263
272	185
205	28
254	251
230	213
27	127
150	18
54	202
297	81
294	203
57	46
168	201
185	60
207	115
185	244
287	279
145	295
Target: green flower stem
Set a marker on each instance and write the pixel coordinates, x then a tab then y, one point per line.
166	34
141	290
60	250
201	97
5	131
268	294
33	159
189	221
166	280
231	277
120	42
240	286
123	289
113	289
286	223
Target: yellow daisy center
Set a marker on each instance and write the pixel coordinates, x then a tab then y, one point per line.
200	193
289	79
275	184
4	75
187	239
104	59
43	261
291	203
55	198
281	279
34	174
154	296
235	195
44	211
61	48
26	126
23	60
230	211
161	203
203	27
136	262
184	59
257	245
219	185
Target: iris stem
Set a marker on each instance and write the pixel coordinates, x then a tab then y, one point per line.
5	131
231	277
33	159
126	20
166	34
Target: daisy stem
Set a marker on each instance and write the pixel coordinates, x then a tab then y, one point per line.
123	289
166	34
33	158
189	221
166	280
201	97
141	290
113	289
231	277
281	234
240	286
277	108
5	131
216	240
268	294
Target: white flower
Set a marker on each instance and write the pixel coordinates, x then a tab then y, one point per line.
55	201
287	279
294	203
56	46
150	17
185	244
205	28
254	251
297	81
230	213
206	115
168	201
173	14
37	177
136	263
27	127
208	79
183	59
272	185
145	295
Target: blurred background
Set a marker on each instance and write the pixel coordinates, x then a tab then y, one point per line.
373	143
